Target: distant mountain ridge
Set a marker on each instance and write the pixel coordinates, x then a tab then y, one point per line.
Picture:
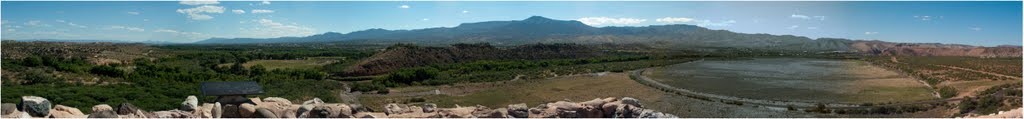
537	29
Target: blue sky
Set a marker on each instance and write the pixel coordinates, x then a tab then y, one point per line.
972	23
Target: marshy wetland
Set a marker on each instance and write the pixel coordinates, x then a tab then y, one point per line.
794	79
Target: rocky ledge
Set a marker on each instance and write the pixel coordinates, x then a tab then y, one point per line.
274	107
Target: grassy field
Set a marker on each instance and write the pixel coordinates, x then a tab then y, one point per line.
794	79
531	92
308	63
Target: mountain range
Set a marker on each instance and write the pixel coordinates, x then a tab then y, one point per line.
537	29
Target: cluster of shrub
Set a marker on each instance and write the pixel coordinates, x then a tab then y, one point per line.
1002	97
153	84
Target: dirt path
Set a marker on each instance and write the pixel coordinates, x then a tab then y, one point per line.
983	72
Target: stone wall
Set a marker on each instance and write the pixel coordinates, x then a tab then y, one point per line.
275	107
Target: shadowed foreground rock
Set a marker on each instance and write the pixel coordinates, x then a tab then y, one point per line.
274	107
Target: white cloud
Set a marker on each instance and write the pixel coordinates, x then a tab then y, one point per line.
71	24
198	13
870	33
464	11
176	32
37	23
425	19
133	13
609	21
793	27
812	28
238	11
259	11
925	18
165	31
673	19
975	28
404	7
127	28
800	16
265	2
705	23
268	28
198	2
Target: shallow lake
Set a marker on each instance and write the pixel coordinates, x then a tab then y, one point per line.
794	79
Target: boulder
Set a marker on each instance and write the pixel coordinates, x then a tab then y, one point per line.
331	111
15	114
61	111
566	109
173	114
217	111
518	110
631	101
290	112
277	99
126	109
392	108
458	112
416	115
191	103
204	111
483	112
429	107
370	115
543	111
35	106
102	107
256	101
610	107
9	108
303	111
103	114
247	110
230	111
628	111
265	113
136	114
314	101
597	102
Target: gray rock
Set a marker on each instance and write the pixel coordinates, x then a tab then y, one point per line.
314	101
392	109
632	101
9	108
126	108
247	110
429	107
218	111
326	111
191	103
265	113
103	114
102	107
518	110
35	106
230	111
303	111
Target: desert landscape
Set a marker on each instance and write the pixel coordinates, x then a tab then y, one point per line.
530	66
